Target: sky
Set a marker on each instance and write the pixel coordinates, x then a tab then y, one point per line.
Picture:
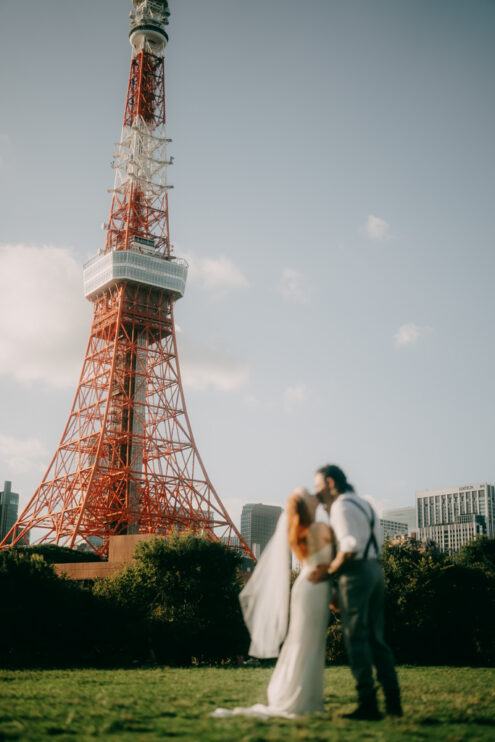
333	193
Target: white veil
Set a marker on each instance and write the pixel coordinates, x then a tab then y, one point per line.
265	598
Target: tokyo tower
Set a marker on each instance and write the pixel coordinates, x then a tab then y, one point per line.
127	462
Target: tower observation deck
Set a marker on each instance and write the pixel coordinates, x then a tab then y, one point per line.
127	461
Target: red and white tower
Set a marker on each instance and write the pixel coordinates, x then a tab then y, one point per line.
127	461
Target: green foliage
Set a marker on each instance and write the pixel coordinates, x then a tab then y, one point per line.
185	590
479	553
178	603
53	554
49	620
439	609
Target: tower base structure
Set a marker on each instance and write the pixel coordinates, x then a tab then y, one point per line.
120	554
127	462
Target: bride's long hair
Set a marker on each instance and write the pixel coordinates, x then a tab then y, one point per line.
299	521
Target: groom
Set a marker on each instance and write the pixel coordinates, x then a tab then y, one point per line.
361	592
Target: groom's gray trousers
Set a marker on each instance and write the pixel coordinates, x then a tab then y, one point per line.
361	591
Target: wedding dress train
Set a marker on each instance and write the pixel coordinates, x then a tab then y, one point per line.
296	684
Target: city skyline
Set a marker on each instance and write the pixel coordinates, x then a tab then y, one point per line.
332	195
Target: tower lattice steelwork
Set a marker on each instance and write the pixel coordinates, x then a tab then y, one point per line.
127	461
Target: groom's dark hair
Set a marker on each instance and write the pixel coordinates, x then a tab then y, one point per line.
334	472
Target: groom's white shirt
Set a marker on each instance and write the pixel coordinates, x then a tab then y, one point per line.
322	515
352	527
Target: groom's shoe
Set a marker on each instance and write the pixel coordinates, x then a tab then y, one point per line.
393	706
367	710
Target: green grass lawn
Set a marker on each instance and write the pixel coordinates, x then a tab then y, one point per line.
147	704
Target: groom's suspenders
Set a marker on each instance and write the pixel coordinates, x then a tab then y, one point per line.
371	518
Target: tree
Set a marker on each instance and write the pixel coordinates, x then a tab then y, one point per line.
185	589
478	553
46	620
53	554
439	611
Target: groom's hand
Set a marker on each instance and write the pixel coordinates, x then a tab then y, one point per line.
319	573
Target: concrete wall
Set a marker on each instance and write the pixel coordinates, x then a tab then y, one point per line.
120	553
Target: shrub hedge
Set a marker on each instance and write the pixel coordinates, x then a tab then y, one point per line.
178	604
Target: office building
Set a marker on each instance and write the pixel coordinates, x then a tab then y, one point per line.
391	528
9	506
258	524
452	517
450	537
405	515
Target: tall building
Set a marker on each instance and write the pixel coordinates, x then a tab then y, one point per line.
258	524
391	528
452	517
127	462
405	515
9	505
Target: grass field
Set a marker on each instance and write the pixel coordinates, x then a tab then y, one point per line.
149	704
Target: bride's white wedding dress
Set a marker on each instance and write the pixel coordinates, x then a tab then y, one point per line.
296	684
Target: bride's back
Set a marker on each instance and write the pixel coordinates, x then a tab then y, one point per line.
319	541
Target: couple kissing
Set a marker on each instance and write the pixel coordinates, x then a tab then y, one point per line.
335	536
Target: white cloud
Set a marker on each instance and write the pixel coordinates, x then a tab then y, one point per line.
45	321
44	318
409	334
377	229
291	286
20	455
217	276
221	275
294	396
204	366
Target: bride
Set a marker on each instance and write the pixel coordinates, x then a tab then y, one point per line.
296	684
